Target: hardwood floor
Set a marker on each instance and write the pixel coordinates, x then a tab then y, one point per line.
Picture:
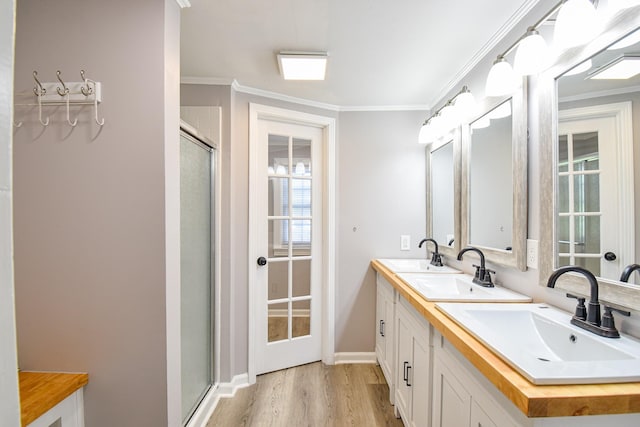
311	395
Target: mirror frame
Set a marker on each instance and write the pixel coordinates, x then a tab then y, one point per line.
517	257
447	251
612	291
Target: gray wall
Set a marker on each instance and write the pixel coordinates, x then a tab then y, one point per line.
381	192
89	208
9	404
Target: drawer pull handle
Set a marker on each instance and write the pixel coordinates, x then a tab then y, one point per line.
405	372
408	383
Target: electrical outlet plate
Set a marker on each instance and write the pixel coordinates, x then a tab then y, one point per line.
532	253
405	242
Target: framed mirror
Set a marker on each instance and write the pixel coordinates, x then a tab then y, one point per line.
443	194
588	206
494	181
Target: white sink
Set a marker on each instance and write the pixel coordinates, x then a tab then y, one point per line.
540	343
458	287
406	265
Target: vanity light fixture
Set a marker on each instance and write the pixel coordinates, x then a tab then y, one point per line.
300	168
621	68
502	79
303	65
460	107
576	23
532	55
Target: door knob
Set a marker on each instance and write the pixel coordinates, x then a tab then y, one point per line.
262	261
610	256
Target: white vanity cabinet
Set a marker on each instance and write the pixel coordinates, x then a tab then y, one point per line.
385	331
458	397
413	366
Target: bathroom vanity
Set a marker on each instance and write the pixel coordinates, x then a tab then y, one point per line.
435	368
52	399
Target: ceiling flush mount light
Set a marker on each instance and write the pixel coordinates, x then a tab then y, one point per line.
532	54
621	68
303	65
576	24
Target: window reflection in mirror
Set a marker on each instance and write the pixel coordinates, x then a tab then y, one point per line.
491	179
596	225
442	194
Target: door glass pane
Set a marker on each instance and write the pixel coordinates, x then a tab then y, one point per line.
563	194
278	232
301	155
278	162
591	264
278	197
301	318
278	280
586	193
585	147
278	322
564	261
196	273
562	153
301	278
563	234
588	233
301	197
301	236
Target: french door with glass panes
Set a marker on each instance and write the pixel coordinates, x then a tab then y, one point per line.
587	202
288	234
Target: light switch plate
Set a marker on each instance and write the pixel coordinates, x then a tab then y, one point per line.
405	242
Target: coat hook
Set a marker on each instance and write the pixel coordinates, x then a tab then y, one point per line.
65	90
42	122
75	121
100	122
39	90
86	89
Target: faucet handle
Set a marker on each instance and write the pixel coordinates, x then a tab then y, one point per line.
581	310
487	276
608	321
479	270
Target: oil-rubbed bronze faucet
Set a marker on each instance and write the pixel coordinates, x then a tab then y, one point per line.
628	270
589	317
483	274
436	258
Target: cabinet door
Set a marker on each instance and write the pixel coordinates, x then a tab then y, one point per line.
420	380
479	418
451	401
381	345
403	364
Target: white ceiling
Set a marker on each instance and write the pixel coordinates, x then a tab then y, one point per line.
392	53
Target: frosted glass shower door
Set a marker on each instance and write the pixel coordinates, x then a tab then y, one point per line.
196	219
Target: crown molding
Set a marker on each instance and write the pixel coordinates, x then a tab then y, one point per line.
215	81
502	32
183	3
295	100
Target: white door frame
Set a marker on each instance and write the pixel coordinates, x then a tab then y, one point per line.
328	125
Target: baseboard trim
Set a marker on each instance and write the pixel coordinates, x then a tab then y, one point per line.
355	357
224	390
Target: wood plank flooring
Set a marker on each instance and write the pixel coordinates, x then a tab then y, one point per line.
311	395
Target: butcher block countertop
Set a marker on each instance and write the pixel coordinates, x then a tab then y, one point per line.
533	400
41	391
